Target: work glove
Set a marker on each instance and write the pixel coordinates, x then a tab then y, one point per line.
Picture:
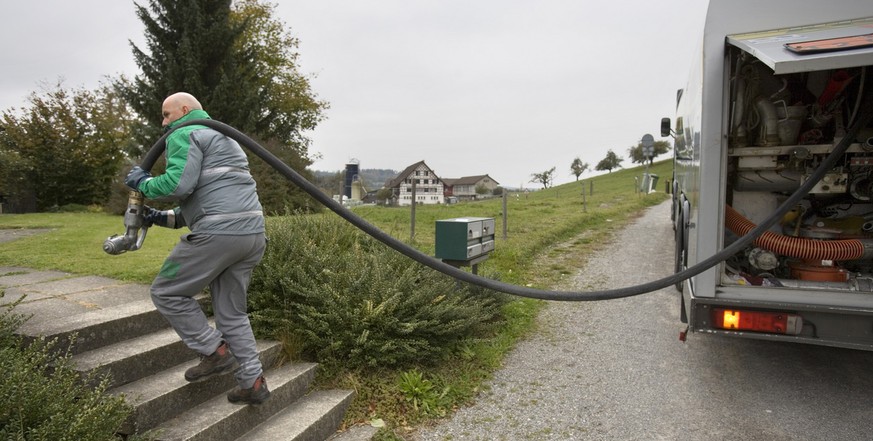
136	176
161	218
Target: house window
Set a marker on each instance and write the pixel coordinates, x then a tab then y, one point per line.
417	172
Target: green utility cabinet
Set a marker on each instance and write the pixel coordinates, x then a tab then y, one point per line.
464	238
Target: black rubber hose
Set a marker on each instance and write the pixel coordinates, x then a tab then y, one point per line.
534	293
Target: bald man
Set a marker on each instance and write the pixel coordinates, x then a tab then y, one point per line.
208	175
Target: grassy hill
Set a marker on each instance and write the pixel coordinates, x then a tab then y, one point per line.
536	222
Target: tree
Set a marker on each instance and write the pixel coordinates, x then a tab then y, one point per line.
330	183
288	106
610	162
578	167
191	47
544	178
384	194
240	62
66	147
636	152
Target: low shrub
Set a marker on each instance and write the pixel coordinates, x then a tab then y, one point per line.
355	302
43	398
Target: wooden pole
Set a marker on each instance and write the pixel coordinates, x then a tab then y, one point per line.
504	213
412	213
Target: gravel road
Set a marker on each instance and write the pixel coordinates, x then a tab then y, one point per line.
616	370
562	383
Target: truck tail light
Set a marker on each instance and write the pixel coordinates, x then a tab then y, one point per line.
757	321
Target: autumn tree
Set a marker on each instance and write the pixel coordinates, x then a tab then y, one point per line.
610	162
544	178
636	152
578	167
65	147
241	63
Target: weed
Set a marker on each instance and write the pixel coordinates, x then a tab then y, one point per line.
423	394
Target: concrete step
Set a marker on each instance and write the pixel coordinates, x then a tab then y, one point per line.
135	358
112	327
165	395
219	420
314	417
100	327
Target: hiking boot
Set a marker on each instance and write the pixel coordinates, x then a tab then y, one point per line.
218	362
256	394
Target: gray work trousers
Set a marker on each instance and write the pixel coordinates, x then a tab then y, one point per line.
225	264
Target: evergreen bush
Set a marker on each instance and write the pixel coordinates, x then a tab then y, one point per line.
43	398
355	302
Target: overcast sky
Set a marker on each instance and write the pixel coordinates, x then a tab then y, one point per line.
506	88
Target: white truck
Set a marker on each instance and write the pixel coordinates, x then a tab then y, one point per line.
772	91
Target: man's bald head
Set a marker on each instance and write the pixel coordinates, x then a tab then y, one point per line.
178	105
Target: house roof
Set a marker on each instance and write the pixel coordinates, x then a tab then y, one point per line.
405	173
468	180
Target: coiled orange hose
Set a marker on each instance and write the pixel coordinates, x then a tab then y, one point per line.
807	249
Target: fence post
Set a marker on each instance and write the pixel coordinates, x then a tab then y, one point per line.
504	213
412	213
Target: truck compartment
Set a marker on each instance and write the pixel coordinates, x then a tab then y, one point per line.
787	110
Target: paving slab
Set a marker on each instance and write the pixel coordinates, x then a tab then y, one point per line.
4	270
71	285
109	296
48	310
16	276
15	294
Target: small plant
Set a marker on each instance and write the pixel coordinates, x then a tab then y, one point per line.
423	394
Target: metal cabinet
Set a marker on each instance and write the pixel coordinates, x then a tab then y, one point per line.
464	238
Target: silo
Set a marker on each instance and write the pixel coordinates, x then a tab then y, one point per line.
357	190
352	169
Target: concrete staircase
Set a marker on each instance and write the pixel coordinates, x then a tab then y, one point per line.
145	359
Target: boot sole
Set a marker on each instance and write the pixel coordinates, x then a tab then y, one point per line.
250	402
219	371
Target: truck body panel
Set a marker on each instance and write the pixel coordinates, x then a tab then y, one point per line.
759	112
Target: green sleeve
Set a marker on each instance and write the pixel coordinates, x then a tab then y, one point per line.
177	157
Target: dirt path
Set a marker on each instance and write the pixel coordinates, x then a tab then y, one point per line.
8	235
